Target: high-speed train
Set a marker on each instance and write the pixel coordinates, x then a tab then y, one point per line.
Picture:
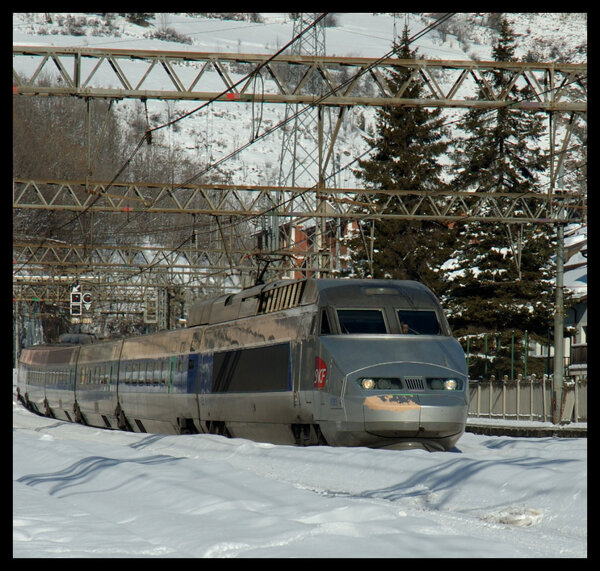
313	361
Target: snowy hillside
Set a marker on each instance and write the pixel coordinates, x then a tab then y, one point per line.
554	36
210	135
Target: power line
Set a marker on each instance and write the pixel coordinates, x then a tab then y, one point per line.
361	72
415	37
147	134
320	99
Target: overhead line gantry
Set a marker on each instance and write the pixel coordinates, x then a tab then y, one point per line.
85	72
182	75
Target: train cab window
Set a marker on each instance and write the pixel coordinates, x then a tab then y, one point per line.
419	321
361	321
325	328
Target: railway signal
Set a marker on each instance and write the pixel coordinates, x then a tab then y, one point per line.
76	303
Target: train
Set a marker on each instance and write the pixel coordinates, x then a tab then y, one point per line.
338	362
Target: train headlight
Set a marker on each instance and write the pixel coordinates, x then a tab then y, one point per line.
450	384
445	384
367	384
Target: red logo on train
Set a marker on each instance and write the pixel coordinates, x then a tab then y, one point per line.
320	373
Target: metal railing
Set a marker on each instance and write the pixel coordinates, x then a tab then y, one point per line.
527	399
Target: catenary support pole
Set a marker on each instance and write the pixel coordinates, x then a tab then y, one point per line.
559	363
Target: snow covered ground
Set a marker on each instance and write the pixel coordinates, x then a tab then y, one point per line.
86	492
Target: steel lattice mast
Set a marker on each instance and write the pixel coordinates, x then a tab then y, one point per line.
302	161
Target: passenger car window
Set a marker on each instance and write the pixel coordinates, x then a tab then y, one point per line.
419	321
361	321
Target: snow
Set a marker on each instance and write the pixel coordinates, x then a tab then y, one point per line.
85	492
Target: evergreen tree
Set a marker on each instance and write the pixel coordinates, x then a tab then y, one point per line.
501	279
407	144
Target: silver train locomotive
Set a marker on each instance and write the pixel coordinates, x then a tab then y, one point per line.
312	361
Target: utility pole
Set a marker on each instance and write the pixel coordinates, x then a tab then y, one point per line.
559	344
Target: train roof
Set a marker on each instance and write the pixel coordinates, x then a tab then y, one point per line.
407	293
77	338
286	294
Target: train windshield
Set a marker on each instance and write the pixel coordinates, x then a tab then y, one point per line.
419	321
361	321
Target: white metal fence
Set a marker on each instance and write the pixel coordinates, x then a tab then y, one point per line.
527	399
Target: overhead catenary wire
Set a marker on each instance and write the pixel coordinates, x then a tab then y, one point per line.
562	151
317	101
291	117
448	123
235	152
279	125
266	133
148	133
284	202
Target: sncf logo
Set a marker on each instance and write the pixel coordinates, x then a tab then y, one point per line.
320	373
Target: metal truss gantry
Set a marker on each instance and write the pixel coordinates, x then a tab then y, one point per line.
321	81
247	201
92	72
190	265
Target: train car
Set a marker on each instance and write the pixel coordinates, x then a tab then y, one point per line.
95	400
157	383
31	380
60	365
338	362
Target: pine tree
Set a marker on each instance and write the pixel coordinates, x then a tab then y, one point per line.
501	277
408	144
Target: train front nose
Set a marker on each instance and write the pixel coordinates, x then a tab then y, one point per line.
410	407
392	415
385	391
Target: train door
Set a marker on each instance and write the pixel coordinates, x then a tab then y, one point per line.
296	355
192	373
322	366
179	370
203	363
113	376
171	373
116	367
